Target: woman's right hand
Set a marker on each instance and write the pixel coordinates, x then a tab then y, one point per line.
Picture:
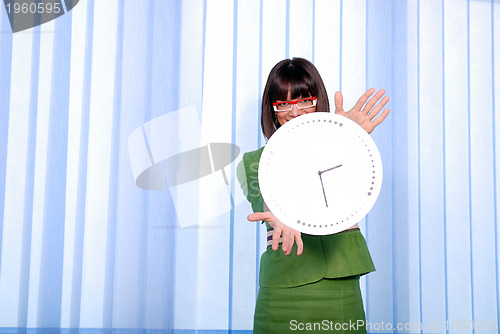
288	234
364	112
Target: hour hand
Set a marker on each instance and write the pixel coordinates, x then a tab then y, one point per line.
329	169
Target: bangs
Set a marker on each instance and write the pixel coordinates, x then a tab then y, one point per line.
292	79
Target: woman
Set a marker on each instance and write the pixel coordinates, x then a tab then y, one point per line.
307	283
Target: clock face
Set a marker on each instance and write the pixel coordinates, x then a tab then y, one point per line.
320	173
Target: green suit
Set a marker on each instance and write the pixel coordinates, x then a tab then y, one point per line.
328	256
317	291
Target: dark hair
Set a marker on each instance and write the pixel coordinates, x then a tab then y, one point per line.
297	76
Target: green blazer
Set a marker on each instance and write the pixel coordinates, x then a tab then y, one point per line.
326	256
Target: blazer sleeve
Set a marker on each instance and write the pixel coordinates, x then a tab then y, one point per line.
247	173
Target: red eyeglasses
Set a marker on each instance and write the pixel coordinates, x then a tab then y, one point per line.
308	102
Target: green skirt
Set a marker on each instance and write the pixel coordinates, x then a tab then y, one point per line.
328	306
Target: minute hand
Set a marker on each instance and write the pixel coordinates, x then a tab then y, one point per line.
321	180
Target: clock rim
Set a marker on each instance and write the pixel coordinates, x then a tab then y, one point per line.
322	229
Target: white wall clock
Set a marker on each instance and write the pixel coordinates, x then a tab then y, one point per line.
320	173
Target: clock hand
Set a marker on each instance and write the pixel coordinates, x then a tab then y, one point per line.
329	169
321	179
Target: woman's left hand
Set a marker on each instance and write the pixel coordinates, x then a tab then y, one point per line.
364	112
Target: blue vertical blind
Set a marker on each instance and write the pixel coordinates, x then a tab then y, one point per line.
82	246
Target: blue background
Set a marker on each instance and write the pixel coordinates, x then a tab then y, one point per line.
82	247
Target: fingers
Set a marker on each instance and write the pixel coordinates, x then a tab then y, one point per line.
256	216
362	100
379	119
287	242
300	245
339	101
374	112
276	238
369	105
379	107
288	235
